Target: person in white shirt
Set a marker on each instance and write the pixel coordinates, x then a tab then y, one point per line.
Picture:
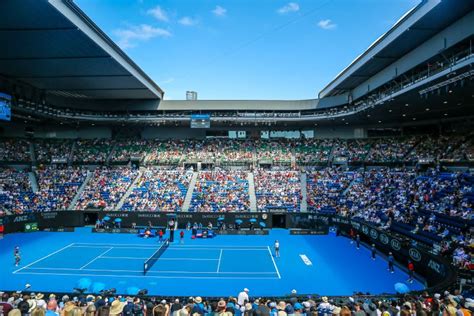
243	297
277	249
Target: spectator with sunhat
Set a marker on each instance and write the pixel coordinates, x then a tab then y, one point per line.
243	297
116	307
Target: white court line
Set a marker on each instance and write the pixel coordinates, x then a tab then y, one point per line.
141	271
171	248
155	277
161	258
219	264
171	245
96	258
53	253
274	263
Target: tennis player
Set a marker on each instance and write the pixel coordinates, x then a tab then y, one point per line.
16	254
277	249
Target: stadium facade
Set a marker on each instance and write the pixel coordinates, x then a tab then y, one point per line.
63	70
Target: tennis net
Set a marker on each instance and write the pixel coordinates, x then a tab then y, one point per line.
155	256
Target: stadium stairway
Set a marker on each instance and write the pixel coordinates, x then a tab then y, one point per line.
111	153
81	188
33	182
32	154
71	154
130	189
189	194
304	195
252	197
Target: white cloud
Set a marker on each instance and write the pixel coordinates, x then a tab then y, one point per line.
187	21
169	80
290	7
159	14
219	11
129	37
326	24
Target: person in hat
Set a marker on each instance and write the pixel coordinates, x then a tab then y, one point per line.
243	297
277	249
221	308
325	308
40	302
116	307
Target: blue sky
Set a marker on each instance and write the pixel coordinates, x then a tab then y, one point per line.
244	49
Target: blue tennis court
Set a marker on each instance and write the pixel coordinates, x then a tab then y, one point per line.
194	262
222	266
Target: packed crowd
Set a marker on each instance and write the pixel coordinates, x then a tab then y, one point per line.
14	150
106	187
92	150
221	191
310	151
52	151
159	190
410	149
327	188
445	303
16	193
433	208
277	189
125	150
57	186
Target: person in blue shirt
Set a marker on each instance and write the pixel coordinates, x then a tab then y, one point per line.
391	261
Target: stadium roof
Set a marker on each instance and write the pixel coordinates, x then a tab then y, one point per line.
414	28
54	47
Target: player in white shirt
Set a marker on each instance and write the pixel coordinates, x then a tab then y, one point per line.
277	249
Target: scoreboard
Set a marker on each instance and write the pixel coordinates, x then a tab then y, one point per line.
5	107
200	121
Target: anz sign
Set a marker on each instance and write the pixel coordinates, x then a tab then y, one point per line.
414	254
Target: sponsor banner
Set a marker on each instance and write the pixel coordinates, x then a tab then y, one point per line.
115	230
309	231
31	227
59	229
242	232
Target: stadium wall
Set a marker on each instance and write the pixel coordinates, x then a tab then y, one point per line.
86	132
